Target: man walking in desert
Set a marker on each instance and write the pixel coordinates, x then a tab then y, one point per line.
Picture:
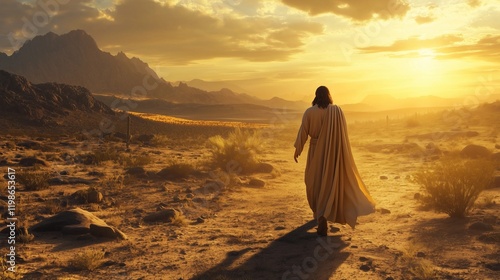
335	191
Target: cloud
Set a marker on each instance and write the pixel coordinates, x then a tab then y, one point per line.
358	10
444	47
176	34
415	43
424	19
474	3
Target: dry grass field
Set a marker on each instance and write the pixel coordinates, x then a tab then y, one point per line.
247	218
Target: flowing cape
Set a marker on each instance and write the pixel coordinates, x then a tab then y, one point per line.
334	187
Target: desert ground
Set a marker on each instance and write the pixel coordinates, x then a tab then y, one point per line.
231	223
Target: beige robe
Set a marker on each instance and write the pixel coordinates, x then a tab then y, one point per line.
334	187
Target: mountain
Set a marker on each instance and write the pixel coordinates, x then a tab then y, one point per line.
45	103
215	85
74	58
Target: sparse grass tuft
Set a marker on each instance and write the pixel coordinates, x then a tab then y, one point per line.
33	180
25	236
237	152
420	267
453	185
87	260
179	219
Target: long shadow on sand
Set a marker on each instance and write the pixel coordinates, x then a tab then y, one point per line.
299	254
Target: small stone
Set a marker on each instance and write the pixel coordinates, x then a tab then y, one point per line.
94	196
64	172
363	259
279	228
384	211
176	198
384	177
421	255
189	195
365	267
481	226
31	161
354	246
200	220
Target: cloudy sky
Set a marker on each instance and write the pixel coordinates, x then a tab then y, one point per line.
288	47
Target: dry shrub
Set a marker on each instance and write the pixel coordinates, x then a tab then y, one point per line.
237	152
101	155
177	170
159	141
33	180
420	267
453	184
87	260
179	219
135	161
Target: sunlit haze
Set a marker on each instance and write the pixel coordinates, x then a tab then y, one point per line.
287	48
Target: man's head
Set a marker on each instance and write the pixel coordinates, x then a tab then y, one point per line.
323	97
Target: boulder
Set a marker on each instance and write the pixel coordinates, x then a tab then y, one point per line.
78	221
256	183
475	151
162	216
31	161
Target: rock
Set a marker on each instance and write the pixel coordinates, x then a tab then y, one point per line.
64	173
189	195
163	216
493	266
145	138
94	196
475	151
77	221
200	220
256	183
481	226
363	259
29	144
384	177
31	161
490	237
432	149
106	231
263	168
384	211
279	228
420	255
365	267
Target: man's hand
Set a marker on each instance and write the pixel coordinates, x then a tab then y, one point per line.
296	155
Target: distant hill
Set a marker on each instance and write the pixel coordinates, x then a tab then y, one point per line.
45	103
74	58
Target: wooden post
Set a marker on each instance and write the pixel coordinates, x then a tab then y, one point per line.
128	131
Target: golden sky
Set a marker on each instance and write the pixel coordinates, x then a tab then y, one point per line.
287	48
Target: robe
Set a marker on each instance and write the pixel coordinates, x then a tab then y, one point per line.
333	184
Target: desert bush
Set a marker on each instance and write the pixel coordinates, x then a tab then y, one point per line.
33	180
135	161
176	170
453	185
99	156
87	260
238	151
159	141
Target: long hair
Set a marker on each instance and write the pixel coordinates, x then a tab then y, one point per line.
323	97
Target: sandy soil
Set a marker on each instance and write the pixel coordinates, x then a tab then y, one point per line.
242	231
